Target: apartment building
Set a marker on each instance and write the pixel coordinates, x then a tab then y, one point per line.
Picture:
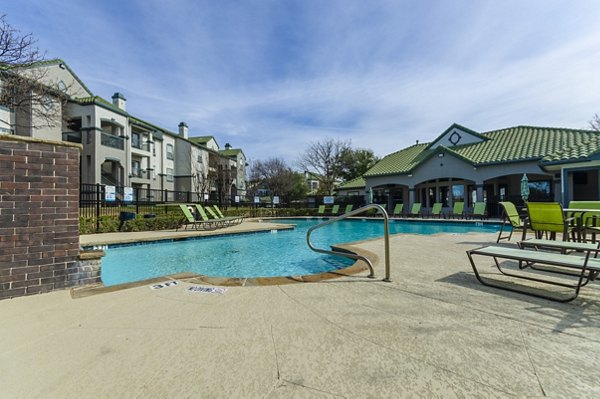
122	150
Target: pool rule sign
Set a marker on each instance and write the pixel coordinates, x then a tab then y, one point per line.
110	193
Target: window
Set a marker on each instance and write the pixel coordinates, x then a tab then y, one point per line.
169	174
135	140
135	169
170	151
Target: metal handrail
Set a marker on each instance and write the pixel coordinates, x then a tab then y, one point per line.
386	232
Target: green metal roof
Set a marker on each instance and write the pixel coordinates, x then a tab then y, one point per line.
232	152
515	144
201	139
357	183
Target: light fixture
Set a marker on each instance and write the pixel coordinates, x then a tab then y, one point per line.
441	155
410	175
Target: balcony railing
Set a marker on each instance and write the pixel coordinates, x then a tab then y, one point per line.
113	141
73	137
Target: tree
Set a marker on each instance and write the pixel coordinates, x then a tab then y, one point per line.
595	123
25	89
274	175
323	159
355	163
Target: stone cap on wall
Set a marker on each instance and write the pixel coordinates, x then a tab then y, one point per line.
13	137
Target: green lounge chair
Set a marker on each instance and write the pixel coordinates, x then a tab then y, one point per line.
436	210
189	219
321	210
548	218
398	210
511	216
226	221
204	217
584	268
348	208
458	210
238	219
415	210
479	210
335	209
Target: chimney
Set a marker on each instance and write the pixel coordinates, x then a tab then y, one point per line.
119	101
183	130
227	146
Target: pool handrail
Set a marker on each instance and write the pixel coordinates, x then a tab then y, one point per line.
386	232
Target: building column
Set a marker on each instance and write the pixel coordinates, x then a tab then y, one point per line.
411	196
479	187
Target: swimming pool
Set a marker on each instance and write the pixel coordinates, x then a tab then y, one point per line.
279	253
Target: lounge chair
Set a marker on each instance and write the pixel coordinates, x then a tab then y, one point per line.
436	210
348	208
458	210
190	219
239	219
398	210
511	216
415	210
548	218
585	266
479	210
321	210
204	217
588	222
227	221
335	209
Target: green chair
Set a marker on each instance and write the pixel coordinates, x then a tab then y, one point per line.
458	210
321	210
479	210
204	217
238	219
348	208
587	222
548	218
190	220
436	210
335	209
415	210
226	221
398	210
511	216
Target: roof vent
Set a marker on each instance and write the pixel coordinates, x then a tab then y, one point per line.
227	146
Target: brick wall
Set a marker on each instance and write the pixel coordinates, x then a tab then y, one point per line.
39	215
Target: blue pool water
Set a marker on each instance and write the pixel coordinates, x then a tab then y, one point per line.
281	253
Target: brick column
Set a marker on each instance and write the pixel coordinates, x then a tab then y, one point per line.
39	214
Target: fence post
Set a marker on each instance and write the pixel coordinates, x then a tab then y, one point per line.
137	200
97	206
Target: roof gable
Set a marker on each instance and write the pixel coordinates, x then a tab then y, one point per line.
457	135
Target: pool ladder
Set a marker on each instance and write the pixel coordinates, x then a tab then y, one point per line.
386	232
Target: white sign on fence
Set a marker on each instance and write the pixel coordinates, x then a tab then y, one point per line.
328	200
237	199
127	194
276	200
110	193
256	200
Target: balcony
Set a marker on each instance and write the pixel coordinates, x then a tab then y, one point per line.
72	137
110	140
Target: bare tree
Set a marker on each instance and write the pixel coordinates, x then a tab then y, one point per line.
274	175
24	87
595	123
323	159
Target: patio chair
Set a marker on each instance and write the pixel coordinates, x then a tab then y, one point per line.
348	208
204	217
583	268
588	222
511	216
190	219
398	210
436	210
479	210
548	218
458	210
415	210
238	219
321	210
226	221
335	209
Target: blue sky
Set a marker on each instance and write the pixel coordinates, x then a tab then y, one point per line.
272	76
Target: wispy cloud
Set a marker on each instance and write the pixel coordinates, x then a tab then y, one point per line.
271	76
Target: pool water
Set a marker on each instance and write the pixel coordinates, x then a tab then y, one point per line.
278	253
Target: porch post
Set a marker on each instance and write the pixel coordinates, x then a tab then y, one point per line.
479	187
411	196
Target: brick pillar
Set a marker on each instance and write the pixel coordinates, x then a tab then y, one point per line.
39	215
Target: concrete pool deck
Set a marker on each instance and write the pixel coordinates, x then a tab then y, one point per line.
434	331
